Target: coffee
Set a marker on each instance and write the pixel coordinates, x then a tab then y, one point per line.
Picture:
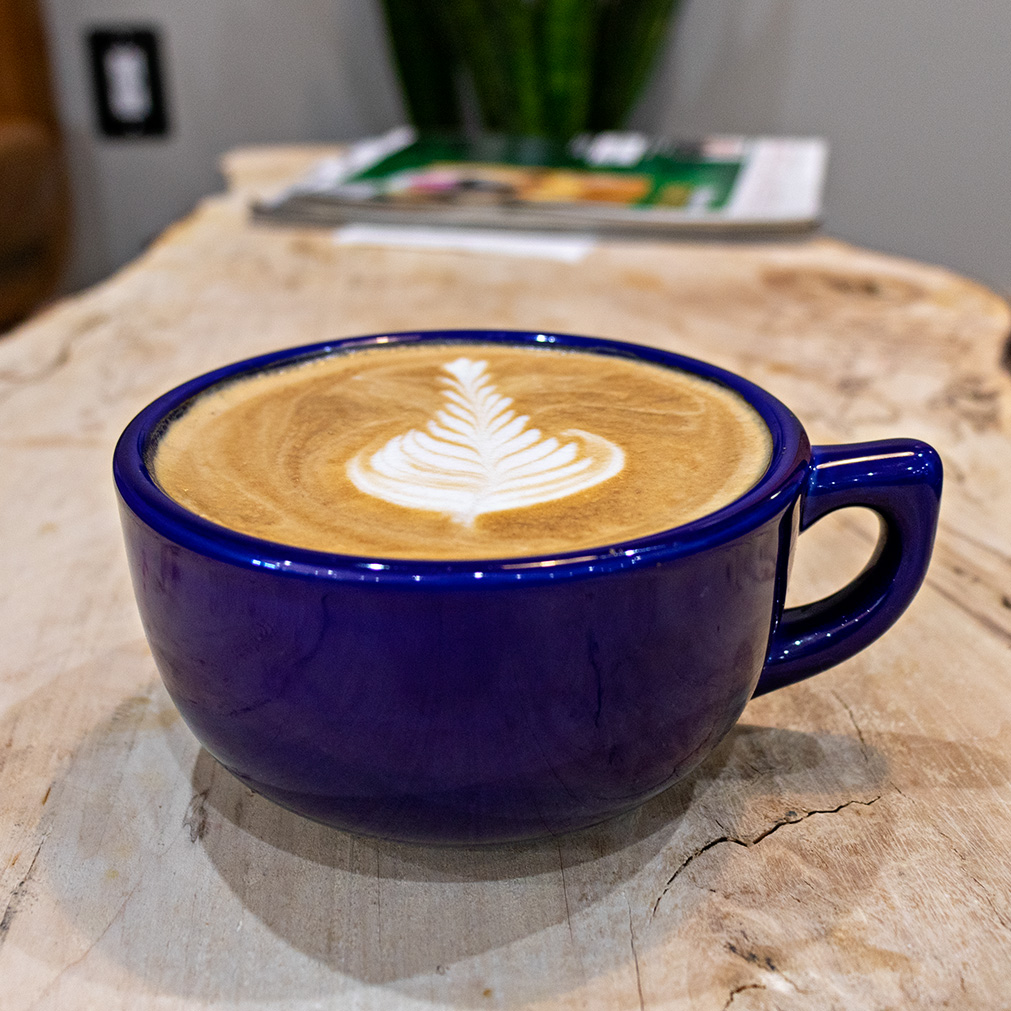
461	451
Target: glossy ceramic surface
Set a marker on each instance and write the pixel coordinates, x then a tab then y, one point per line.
486	701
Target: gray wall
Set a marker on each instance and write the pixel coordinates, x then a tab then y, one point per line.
238	72
914	96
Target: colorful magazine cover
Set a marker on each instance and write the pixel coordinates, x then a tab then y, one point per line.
621	181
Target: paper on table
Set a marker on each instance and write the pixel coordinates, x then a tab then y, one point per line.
568	248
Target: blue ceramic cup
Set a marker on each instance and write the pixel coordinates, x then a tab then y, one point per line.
463	702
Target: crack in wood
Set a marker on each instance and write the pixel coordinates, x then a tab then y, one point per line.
635	955
741	989
988	899
853	720
74	963
14	902
790	818
984	891
379	904
565	893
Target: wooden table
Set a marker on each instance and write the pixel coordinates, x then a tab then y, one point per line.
848	845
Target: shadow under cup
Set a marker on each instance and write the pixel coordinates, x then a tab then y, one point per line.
464	702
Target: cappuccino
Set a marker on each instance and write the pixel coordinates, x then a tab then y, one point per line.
461	450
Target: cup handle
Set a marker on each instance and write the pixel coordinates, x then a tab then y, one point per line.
900	479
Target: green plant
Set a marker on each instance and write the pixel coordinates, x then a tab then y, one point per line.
550	68
425	63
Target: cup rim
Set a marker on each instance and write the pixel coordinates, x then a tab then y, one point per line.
772	493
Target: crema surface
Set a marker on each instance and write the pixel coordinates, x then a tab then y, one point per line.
461	451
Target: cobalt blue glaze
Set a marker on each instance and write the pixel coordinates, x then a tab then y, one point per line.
486	701
901	480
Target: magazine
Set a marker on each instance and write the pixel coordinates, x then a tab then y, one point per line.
620	182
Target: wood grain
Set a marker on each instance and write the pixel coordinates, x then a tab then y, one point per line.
846	847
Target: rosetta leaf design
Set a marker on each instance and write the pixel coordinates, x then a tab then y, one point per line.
478	456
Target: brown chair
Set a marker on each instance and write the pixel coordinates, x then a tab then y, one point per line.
34	206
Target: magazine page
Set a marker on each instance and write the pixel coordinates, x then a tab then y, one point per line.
611	181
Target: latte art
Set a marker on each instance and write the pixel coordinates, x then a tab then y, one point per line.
478	456
461	450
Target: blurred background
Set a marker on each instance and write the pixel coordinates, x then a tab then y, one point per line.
913	96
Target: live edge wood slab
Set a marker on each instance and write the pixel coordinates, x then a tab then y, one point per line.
847	847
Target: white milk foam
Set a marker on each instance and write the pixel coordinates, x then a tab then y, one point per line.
478	456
